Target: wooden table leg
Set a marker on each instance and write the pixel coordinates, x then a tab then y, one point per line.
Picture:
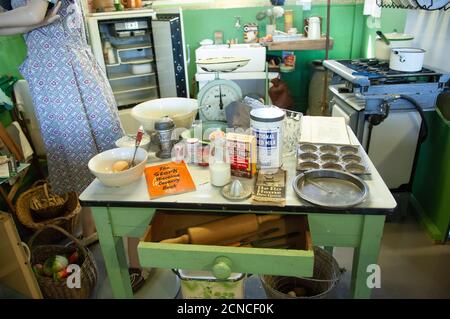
113	254
366	254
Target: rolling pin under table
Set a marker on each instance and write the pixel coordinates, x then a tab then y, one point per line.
222	229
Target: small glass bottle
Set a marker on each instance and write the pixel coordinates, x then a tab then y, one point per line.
219	162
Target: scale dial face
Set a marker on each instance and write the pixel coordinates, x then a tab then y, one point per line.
215	97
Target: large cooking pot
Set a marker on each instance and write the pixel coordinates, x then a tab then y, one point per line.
397	40
406	59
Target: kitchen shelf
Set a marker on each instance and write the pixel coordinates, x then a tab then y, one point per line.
127	75
134	100
132	88
129	47
135	61
305	44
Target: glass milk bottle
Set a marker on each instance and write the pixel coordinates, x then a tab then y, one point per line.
219	162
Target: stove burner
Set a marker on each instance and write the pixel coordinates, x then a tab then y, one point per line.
379	70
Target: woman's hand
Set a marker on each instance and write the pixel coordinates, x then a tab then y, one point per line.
51	16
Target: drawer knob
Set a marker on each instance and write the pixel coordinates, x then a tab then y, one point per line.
222	268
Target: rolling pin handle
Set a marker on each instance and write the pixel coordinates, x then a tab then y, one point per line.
266	218
183	239
222	268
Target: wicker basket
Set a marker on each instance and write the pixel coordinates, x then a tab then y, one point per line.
44	204
67	220
326	274
59	290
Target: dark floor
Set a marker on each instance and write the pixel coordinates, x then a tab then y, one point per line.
412	266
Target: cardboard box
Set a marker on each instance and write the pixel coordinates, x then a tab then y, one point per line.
242	150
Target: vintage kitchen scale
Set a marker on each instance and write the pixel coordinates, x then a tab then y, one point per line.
216	95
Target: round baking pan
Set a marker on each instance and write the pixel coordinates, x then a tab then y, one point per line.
330	188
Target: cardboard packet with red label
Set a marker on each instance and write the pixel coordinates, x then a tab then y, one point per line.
242	150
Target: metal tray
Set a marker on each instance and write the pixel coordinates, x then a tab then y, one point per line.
330	188
347	158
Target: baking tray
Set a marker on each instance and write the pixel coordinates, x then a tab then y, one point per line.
346	158
330	188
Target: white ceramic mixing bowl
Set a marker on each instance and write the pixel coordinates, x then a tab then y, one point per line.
101	166
181	110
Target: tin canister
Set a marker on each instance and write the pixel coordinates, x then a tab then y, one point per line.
267	126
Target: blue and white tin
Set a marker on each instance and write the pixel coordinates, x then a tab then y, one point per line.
267	125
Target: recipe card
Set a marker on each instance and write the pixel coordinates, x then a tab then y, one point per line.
168	179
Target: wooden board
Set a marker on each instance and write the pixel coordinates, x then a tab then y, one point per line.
15	271
305	44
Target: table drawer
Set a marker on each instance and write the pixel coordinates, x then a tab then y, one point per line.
277	247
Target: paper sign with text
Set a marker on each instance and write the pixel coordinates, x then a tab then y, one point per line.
168	179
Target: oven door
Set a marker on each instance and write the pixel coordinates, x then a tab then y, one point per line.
392	146
353	118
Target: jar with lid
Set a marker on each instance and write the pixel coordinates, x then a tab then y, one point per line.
219	162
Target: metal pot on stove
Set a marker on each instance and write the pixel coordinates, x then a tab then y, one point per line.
386	41
406	59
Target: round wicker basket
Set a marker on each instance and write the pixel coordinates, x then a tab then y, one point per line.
67	220
326	274
44	204
52	289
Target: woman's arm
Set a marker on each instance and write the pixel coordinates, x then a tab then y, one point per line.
48	19
32	13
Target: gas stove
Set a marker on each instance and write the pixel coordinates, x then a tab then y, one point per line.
372	80
386	110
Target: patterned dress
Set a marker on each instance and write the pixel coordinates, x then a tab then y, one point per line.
73	100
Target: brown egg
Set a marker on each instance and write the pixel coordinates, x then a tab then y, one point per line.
120	166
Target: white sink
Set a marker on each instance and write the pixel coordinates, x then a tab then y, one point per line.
254	51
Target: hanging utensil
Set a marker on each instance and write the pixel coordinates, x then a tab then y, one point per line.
139	136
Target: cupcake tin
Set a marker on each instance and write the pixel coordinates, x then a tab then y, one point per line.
346	158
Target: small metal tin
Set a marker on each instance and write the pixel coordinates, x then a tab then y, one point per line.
309	165
355	168
331	156
332	166
308	157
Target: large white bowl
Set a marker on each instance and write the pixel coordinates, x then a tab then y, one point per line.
181	110
101	166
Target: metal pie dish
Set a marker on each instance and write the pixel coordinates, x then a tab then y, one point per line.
330	188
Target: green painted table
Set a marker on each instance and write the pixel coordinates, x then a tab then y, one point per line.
127	212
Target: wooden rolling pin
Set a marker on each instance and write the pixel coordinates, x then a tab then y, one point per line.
222	229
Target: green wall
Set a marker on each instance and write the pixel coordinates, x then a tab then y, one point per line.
391	20
12	52
346	28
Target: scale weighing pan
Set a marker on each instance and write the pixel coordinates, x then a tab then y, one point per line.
222	64
330	188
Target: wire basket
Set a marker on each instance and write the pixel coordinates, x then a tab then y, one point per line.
326	275
52	289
